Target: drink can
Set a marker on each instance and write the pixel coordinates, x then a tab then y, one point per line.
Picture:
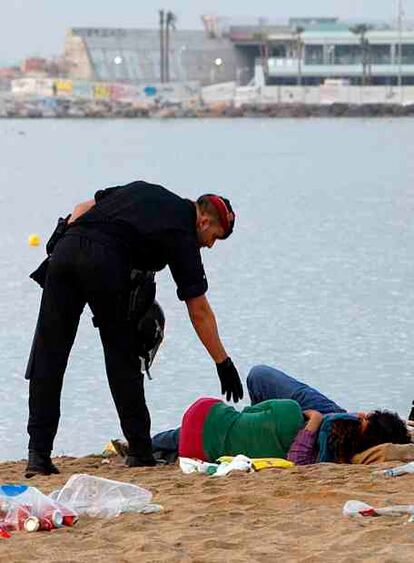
23	513
45	523
57	518
32	524
70	520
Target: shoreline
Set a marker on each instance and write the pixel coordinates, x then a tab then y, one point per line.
295	514
30	109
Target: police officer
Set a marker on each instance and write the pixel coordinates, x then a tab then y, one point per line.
138	226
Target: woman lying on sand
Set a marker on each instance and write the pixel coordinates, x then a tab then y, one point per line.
286	419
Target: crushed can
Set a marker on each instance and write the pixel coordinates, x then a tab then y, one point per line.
70	520
32	524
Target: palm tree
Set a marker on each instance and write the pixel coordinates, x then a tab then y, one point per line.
169	23
361	30
299	45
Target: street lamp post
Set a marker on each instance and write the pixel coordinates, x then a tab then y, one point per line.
299	44
183	70
400	22
217	63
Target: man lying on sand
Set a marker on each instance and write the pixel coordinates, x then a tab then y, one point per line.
287	419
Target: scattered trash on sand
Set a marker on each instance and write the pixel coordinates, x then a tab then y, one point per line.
95	496
358	508
407	468
227	464
27	508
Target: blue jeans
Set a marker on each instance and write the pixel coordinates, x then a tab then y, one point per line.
166	441
263	383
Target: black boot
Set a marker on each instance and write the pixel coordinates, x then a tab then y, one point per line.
138	461
40	463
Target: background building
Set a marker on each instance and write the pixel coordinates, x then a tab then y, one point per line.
133	55
308	51
303	51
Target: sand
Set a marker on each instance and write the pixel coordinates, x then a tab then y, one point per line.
291	515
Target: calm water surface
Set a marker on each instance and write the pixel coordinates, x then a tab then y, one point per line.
317	279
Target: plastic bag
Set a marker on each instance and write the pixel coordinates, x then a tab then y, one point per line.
189	465
95	496
358	508
238	463
27	508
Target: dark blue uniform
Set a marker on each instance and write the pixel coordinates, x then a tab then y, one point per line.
142	226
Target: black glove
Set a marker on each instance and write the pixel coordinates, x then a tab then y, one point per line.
230	380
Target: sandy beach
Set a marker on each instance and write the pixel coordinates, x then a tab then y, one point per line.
293	514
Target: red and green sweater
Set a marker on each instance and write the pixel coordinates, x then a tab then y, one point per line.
211	428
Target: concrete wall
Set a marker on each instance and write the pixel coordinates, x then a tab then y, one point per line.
146	94
226	92
217	93
327	94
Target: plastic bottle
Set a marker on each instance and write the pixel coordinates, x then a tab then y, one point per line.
397	471
95	496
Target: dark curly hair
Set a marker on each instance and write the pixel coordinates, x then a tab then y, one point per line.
383	427
348	438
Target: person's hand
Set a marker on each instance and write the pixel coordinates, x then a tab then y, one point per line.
314	420
231	385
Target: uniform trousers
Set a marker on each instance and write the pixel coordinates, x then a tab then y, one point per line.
80	272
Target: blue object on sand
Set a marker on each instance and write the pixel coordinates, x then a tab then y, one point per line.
12	490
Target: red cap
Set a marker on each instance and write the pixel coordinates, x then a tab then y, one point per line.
226	215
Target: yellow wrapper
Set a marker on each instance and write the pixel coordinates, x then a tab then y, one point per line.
269	462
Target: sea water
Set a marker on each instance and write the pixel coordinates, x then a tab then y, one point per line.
316	280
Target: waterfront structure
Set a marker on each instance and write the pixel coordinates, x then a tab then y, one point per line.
133	55
303	51
308	51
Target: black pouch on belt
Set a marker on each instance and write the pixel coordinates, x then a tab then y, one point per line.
142	294
141	297
39	275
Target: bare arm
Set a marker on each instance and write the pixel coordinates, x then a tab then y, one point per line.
204	323
315	419
80	209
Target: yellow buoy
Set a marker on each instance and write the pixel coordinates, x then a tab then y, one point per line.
33	240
